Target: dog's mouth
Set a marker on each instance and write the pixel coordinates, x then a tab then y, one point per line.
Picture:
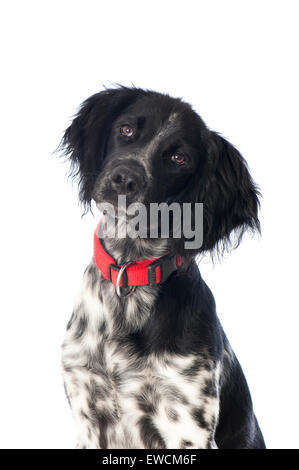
119	201
117	204
112	208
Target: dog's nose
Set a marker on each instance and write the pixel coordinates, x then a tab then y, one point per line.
125	181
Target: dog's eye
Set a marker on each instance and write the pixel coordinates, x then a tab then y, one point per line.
127	130
178	158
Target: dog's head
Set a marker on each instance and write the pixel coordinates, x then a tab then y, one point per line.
154	148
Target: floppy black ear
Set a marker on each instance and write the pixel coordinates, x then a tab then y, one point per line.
229	195
84	141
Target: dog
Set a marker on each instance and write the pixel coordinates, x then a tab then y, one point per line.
146	363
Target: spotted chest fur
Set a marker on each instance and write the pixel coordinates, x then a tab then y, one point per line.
120	399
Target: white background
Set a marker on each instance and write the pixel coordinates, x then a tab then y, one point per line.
237	63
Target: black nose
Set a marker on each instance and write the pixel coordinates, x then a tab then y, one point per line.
125	181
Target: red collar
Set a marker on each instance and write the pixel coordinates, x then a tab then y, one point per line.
146	272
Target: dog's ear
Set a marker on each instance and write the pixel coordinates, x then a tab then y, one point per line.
84	141
229	195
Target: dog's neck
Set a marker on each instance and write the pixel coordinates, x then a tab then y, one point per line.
125	249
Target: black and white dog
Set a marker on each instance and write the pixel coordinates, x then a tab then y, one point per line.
154	369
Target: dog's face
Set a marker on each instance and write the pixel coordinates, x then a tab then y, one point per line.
152	152
150	147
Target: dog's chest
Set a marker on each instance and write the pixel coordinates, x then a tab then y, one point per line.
154	401
158	406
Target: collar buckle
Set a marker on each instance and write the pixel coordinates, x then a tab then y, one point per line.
167	264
